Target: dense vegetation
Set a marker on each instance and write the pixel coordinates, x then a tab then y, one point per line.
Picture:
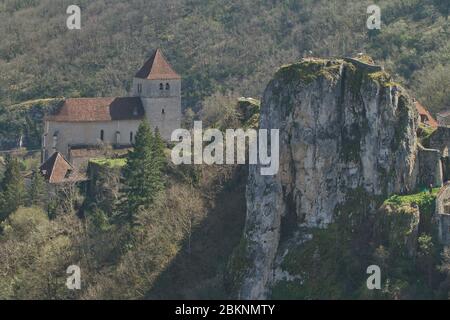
217	46
146	229
140	228
399	238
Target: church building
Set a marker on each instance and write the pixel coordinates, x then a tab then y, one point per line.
85	124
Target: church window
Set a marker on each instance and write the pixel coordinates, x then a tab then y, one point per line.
163	111
167	86
102	135
139	87
161	86
55	140
131	137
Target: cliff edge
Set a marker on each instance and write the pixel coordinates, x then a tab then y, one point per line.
347	141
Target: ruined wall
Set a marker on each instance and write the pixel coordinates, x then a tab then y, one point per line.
430	167
440	140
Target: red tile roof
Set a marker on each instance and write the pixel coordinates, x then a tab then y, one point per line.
58	170
157	68
424	112
98	109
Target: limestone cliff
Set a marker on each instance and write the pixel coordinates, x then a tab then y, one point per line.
346	142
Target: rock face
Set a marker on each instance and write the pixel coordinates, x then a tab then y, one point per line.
343	133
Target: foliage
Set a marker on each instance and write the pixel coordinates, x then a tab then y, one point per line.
249	108
35	253
12	188
424	200
109	162
24	121
37	189
219	111
182	237
143	171
247	41
424	133
332	264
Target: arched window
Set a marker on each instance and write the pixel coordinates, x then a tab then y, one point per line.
102	135
139	88
131	137
55	141
163	111
161	86
167	86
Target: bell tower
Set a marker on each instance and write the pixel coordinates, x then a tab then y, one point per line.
159	88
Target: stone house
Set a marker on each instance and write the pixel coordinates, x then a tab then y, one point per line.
90	123
57	170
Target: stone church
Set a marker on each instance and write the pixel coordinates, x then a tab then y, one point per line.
80	125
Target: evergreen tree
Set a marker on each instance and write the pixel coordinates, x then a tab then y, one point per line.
142	173
12	188
36	194
159	160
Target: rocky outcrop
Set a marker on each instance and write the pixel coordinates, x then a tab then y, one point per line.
248	109
346	141
398	227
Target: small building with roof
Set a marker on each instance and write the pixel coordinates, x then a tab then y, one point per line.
90	123
425	117
57	170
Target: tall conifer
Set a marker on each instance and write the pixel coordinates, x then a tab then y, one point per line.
12	188
142	173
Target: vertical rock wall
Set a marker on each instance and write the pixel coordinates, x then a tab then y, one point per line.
343	133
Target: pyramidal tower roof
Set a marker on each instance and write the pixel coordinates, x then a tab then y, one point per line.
157	68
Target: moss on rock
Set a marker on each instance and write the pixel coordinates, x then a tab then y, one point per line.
237	266
249	108
308	70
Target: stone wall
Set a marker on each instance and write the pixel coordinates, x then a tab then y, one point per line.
86	133
430	167
162	107
440	139
363	65
442	215
164	113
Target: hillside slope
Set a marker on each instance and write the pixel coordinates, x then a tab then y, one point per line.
40	57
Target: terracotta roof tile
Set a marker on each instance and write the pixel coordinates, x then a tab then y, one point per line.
422	111
157	68
98	109
58	170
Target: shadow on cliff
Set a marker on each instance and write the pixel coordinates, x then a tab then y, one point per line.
197	271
